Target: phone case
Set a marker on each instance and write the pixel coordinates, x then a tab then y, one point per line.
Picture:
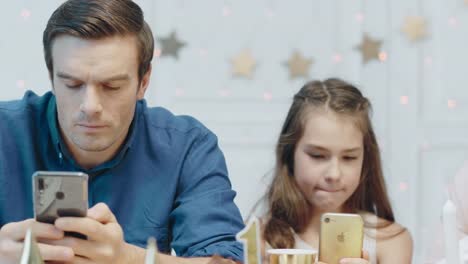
341	236
58	194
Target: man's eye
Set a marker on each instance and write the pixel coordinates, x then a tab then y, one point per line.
72	86
110	87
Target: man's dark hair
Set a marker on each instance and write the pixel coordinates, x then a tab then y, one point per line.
96	19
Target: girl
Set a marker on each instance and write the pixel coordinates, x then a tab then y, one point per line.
328	160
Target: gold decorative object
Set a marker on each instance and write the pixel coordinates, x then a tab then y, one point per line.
292	256
298	66
415	28
243	65
369	48
249	237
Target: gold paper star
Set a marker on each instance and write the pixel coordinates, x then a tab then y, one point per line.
415	28
369	48
298	66
243	65
171	45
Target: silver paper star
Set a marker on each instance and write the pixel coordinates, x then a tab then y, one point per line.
171	45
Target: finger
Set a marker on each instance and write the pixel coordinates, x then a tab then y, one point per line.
353	261
83	248
219	260
80	260
83	225
17	230
56	253
10	250
365	254
101	213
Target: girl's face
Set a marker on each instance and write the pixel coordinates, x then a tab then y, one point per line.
328	160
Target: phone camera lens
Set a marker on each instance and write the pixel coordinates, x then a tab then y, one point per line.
59	195
327	220
41	184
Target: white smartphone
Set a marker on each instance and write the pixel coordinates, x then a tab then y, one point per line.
58	194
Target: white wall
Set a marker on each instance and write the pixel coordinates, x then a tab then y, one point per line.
424	142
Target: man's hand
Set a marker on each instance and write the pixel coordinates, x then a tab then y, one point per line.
12	236
220	260
105	243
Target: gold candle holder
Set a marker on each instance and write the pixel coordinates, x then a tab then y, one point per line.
292	256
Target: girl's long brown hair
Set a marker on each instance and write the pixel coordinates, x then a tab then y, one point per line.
289	211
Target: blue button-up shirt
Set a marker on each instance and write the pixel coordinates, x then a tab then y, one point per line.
169	179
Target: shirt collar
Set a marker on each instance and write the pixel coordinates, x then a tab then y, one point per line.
62	151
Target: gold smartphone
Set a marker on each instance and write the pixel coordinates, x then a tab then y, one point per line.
341	236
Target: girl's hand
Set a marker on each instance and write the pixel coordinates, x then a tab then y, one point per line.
363	260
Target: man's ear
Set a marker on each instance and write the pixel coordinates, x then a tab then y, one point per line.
144	83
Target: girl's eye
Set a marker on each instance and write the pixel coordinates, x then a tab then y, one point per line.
317	156
350	158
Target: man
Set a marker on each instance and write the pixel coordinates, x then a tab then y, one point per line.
151	173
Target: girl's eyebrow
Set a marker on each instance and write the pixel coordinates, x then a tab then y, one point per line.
318	147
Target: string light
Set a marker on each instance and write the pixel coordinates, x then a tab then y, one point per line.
451	104
453	22
383	56
203	52
224	93
337	58
428	61
21	84
270	13
157	52
404	100
179	92
267	96
425	146
226	11
403	186
25	13
359	17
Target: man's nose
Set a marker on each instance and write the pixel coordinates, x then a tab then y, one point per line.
91	103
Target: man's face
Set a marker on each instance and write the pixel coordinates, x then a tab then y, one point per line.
96	86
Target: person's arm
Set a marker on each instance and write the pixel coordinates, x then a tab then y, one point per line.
105	243
205	219
12	236
396	249
139	255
